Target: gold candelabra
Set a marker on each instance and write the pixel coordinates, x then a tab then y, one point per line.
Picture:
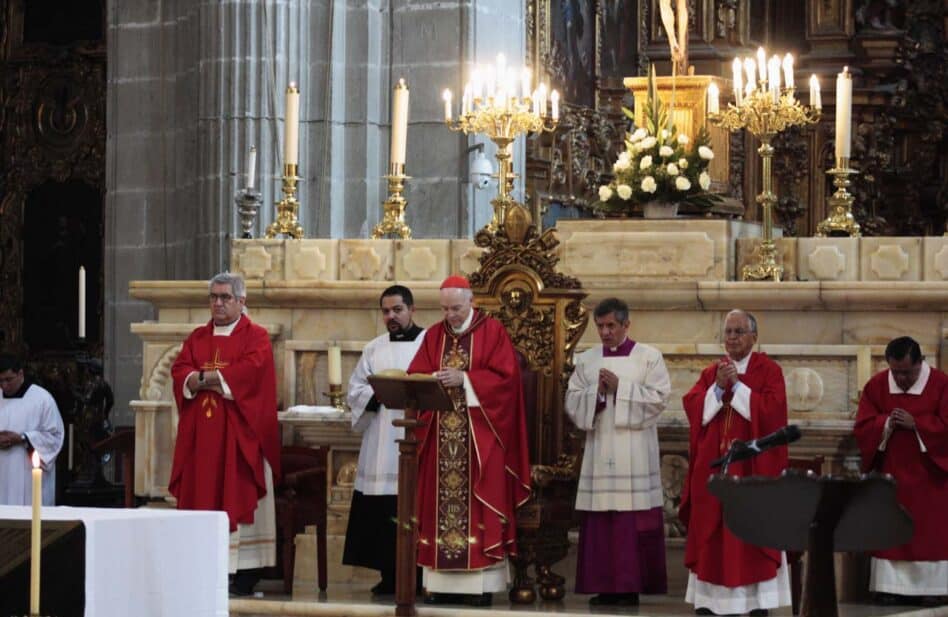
841	220
393	221
490	105
287	208
765	113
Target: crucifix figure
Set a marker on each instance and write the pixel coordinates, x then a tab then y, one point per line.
677	33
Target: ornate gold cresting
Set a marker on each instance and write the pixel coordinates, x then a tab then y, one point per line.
841	220
287	208
393	221
764	115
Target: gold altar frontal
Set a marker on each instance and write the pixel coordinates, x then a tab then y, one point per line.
827	330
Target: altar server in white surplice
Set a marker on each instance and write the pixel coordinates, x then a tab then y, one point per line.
29	420
371	534
615	395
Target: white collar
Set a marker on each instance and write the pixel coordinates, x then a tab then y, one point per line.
918	387
466	324
226	330
742	363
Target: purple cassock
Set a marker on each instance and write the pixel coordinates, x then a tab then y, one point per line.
622	551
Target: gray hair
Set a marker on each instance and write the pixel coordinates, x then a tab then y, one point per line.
236	282
751	320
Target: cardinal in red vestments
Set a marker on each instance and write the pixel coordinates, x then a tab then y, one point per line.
902	430
473	469
228	440
740	397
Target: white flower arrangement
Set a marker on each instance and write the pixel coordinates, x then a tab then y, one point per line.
659	164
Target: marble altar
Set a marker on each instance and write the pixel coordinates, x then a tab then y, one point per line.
827	330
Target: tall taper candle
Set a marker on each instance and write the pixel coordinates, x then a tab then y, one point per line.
844	113
291	147
816	101
713	101
82	302
35	536
399	122
335	365
251	166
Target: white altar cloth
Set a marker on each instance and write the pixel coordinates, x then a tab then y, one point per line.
149	562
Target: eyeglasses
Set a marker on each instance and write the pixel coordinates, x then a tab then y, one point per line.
224	298
736	332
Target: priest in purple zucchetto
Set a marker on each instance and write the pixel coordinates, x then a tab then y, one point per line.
616	394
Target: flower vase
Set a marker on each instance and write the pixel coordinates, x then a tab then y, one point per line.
659	210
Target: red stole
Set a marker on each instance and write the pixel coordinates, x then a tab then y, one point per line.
921	477
473	470
221	444
712	552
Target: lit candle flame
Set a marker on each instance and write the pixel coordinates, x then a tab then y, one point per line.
36	459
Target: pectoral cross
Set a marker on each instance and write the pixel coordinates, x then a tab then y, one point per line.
209	403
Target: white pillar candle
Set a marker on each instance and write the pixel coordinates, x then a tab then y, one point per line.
788	71
35	535
542	99
335	365
738	78
446	95
713	103
555	105
762	63
773	78
399	123
292	129
251	166
526	82
477	83
750	69
844	111
816	100
82	302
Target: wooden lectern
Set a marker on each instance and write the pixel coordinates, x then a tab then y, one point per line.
817	514
397	390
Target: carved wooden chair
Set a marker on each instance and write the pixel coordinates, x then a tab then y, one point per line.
300	501
542	309
794	559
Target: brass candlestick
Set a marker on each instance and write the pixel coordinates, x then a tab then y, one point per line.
337	398
841	221
287	208
764	115
503	123
393	221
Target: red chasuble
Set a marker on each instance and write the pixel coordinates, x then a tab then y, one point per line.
921	477
712	552
221	444
473	470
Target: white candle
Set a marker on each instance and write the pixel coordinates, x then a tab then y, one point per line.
713	103
466	100
773	77
35	544
844	111
251	166
541	97
526	83
477	83
82	302
816	101
788	71
738	78
863	366
489	83
762	63
555	105
399	123
292	129
335	365
750	69
446	95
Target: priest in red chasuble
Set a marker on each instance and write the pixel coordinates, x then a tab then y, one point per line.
473	470
227	450
902	430
742	396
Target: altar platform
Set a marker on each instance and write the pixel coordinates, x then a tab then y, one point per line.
354	600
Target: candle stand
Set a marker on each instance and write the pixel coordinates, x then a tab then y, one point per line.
841	221
337	398
288	208
393	221
248	204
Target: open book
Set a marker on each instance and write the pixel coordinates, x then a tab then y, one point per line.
396	389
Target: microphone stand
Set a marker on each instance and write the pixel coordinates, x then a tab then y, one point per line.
737	446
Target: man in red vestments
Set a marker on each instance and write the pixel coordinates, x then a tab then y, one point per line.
228	449
741	397
902	430
473	470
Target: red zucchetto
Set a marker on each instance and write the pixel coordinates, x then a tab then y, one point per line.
455	282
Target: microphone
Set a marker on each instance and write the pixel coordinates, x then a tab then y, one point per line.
741	450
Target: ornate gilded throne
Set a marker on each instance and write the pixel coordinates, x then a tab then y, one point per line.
517	283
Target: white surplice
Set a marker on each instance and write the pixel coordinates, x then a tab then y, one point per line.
621	467
36	415
377	473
